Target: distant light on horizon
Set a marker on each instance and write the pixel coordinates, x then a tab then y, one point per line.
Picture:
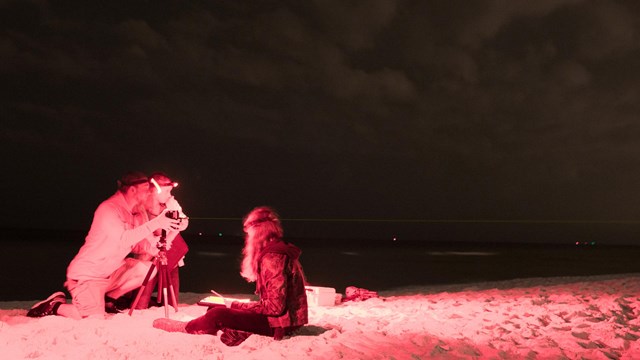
350	253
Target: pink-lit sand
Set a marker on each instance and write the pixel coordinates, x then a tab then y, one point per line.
553	318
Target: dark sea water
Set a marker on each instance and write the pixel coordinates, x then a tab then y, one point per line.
35	261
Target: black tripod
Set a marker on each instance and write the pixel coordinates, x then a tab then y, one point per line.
165	287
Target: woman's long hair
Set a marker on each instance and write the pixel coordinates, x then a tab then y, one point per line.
266	224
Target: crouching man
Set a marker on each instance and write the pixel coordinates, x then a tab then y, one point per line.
101	267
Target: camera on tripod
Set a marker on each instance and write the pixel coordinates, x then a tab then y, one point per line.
175	215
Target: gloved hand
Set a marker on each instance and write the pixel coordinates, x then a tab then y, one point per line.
172	204
184	223
163	222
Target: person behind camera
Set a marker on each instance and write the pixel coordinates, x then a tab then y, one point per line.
160	199
275	267
101	266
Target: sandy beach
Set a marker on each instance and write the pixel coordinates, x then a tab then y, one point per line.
594	317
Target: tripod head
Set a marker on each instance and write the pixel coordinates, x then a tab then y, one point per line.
162	243
162	247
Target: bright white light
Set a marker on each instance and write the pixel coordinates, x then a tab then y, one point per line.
157	186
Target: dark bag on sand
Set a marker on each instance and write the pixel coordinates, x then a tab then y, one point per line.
353	293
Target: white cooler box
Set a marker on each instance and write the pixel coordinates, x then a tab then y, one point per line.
320	296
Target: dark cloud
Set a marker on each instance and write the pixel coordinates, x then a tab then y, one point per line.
403	109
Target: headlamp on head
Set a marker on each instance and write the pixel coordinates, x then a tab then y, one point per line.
159	186
136	182
132	179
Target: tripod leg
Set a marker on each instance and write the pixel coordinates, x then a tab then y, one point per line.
165	279
172	292
174	275
173	298
161	283
141	290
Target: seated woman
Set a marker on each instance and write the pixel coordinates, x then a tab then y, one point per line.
275	267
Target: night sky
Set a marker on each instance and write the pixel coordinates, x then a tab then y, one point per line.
456	110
